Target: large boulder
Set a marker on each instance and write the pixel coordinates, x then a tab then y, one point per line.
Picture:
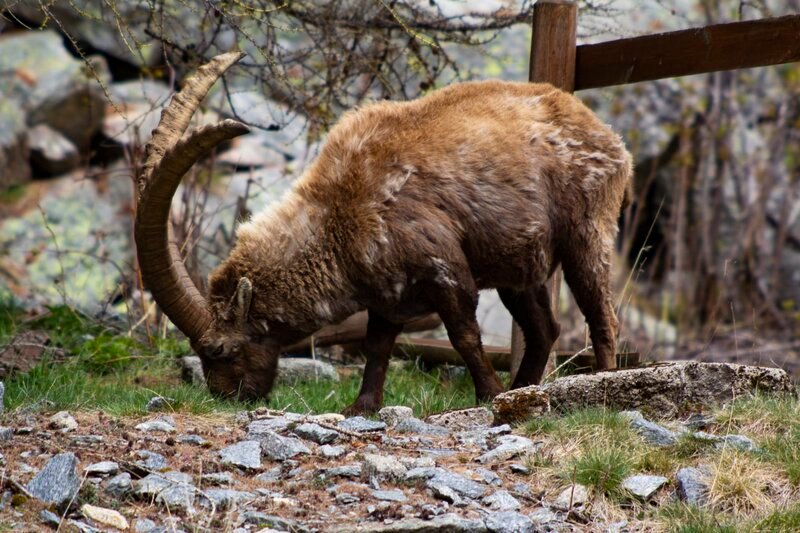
51	86
664	389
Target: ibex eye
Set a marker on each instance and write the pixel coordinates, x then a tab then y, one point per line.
219	350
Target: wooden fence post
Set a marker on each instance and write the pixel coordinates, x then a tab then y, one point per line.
553	61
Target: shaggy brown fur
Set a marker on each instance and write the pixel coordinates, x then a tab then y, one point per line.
413	207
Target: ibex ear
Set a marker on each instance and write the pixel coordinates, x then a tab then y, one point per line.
242	299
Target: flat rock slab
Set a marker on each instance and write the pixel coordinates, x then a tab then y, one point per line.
644	486
58	482
449	523
665	389
463	419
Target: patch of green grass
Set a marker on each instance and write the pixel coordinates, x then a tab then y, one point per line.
682	518
689	446
601	468
763	412
782	520
656	461
784	452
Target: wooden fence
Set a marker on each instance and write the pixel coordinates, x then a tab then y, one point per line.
556	59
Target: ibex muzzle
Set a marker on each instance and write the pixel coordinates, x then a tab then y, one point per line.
411	208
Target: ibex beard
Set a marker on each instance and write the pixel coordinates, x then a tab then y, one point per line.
410	208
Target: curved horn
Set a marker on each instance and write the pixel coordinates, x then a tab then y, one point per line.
168	158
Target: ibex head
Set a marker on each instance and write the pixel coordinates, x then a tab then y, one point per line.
238	361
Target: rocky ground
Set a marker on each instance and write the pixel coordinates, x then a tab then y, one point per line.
267	470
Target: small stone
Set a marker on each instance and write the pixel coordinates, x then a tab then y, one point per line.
574	496
172	489
692	486
351	471
151	461
698	421
119	485
316	433
542	516
443	492
194	440
105	516
52	154
418	427
509	522
740	442
326	418
158	425
244	454
242	417
58	482
103	468
345	498
463	419
158	403
480	437
331	452
382	467
87	440
257	428
643	486
145	525
227	498
83	527
6	433
359	424
509	446
519	468
277	523
270	476
394	495
192	370
50	518
652	433
489	477
460	484
63	421
418	462
278	448
393	414
218	478
501	500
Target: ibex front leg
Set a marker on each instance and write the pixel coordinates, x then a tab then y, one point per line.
381	335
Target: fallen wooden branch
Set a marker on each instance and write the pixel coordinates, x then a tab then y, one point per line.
354	329
440	352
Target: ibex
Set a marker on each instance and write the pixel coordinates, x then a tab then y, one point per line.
410	208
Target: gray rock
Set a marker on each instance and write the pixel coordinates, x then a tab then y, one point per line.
87	440
192	370
663	389
173	490
158	425
226	498
144	525
418	462
293	370
480	437
331	452
509	522
740	442
50	518
58	482
489	477
244	454
63	421
316	433
6	433
278	448
462	485
257	428
692	486
119	485
643	486
393	414
194	440
359	424
519	468
501	500
277	523
103	468
444	523
573	496
158	403
463	419
51	153
151	461
698	421
351	471
543	516
64	96
393	495
520	404
443	492
418	427
218	478
271	475
83	527
345	498
508	446
382	467
651	432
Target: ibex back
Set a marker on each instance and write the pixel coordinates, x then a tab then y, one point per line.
410	208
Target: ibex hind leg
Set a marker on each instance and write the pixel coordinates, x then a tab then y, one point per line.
456	302
531	309
587	271
381	335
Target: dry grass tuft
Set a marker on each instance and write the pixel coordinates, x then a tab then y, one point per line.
743	485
